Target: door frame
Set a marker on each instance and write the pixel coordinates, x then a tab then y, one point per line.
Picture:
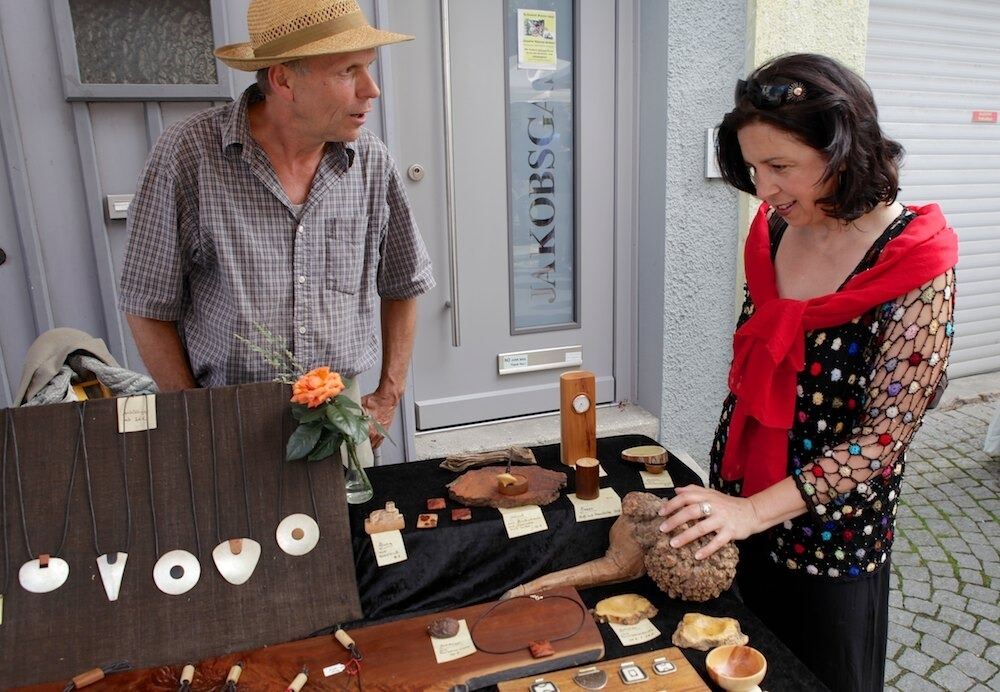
625	264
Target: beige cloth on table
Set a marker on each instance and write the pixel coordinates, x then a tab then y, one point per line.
48	354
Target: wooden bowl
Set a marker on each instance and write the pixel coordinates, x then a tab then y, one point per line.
518	488
737	668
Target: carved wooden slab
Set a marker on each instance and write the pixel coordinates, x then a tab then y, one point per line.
478	488
397	656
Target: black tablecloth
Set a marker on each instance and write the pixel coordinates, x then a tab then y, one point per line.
462	563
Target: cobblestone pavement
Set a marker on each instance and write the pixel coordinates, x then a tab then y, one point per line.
944	608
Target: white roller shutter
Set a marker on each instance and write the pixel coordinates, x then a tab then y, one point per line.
935	70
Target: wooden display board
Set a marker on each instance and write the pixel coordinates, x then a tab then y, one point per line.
396	656
684	679
56	635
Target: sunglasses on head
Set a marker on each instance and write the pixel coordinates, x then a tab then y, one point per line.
769	95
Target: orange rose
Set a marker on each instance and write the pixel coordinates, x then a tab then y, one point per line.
316	387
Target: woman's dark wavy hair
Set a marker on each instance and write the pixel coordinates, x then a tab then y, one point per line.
837	117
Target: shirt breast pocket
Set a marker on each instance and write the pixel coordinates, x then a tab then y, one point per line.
345	253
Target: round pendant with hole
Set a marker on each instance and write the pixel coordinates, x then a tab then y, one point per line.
44	574
297	534
176	572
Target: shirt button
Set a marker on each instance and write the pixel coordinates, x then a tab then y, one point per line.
299	228
302	330
302	279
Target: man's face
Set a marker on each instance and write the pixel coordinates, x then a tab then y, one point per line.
333	94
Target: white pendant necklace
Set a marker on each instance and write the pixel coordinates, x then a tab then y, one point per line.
297	534
48	571
235	558
111	566
177	571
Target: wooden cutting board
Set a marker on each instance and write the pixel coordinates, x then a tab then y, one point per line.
397	655
684	679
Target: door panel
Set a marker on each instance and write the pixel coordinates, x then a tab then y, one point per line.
455	385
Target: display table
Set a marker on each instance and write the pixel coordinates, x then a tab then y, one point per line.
464	563
474	561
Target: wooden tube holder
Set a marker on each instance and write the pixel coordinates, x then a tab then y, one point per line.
588	478
577	417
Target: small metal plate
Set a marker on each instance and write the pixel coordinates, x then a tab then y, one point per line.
592	678
662	666
631	674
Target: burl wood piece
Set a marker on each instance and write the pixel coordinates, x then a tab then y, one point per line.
704	632
624	609
638	547
464	462
478	488
577	424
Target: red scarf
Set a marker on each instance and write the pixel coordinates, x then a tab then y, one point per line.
769	349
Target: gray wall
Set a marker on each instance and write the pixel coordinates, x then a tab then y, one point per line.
688	228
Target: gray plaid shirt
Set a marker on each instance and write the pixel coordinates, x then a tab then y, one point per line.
215	245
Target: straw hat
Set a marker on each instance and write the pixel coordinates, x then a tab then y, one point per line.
284	30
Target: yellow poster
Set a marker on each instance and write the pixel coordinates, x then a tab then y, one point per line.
536	39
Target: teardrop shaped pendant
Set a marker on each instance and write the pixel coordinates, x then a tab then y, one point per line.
176	572
297	534
112	569
43	574
236	559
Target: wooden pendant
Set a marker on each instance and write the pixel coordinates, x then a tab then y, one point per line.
44	574
297	534
236	559
176	572
111	567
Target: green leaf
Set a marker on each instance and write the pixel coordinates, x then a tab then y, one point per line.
302	441
350	424
381	430
329	442
351	405
304	414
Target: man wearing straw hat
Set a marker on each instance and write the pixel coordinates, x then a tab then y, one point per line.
278	209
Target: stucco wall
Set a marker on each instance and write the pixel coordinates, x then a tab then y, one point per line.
705	57
704	221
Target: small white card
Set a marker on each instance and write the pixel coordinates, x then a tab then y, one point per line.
520	521
639	633
455	647
389	548
132	415
607	504
652	481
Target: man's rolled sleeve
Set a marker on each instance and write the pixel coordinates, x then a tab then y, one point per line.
152	283
405	267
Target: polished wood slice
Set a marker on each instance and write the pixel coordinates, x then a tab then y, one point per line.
646	454
478	488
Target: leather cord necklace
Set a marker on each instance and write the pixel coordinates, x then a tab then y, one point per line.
111	566
3	518
235	558
48	571
538	648
177	571
298	533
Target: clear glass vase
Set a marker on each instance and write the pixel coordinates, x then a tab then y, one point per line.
359	488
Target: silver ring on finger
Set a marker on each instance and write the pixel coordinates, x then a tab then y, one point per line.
706	509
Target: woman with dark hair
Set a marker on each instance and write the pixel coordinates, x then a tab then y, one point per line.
843	339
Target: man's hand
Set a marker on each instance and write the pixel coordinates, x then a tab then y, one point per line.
381	407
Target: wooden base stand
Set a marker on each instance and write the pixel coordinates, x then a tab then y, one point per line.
684	679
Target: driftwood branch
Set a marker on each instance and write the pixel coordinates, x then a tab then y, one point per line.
464	462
